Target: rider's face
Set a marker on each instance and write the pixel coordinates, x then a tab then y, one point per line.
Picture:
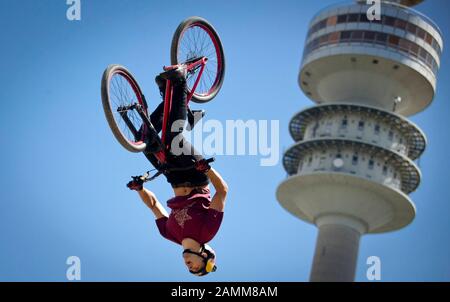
193	262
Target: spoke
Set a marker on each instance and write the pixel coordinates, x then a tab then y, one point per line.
197	41
197	35
121	90
200	35
205	39
201	84
122	94
116	89
113	90
209	76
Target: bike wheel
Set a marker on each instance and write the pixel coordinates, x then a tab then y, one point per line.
119	89
195	38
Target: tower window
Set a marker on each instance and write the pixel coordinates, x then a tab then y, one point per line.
428	38
377	129
357	35
394	40
414	49
344	122
369	35
390	135
421	33
389	21
381	38
363	18
361	125
399	23
353	17
385	170
422	53
334	37
342	19
322	24
371	164
331	21
323	40
411	28
404	44
355	160
345	35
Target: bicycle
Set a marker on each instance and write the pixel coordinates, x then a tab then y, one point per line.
196	45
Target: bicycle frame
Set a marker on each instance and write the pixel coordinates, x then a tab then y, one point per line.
191	65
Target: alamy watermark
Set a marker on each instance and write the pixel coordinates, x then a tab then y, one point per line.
73	272
374	11
74	11
235	137
374	270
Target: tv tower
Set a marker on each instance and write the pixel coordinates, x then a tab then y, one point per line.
352	165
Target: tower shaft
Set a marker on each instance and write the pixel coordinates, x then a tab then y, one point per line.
336	254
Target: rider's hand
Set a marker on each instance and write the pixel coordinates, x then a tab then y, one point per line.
202	166
137	184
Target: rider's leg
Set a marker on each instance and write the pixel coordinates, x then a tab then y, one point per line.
156	118
178	116
175	139
180	110
188	154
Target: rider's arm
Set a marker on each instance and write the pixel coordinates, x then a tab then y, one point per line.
149	198
221	187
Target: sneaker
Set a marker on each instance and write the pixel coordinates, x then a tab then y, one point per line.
176	74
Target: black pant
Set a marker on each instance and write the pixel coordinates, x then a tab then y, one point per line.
188	156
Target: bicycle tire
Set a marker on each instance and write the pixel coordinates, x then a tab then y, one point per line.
219	52
110	71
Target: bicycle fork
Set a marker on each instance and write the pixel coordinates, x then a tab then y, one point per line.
138	134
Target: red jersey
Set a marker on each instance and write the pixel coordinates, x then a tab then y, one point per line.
191	217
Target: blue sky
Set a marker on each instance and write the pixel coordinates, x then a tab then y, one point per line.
63	174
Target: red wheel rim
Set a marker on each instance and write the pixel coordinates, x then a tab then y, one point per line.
199	51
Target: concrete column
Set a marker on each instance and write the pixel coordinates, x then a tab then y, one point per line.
337	248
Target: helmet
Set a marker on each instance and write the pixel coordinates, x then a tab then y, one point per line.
208	260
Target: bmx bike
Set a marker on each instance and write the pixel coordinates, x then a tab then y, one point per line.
195	45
